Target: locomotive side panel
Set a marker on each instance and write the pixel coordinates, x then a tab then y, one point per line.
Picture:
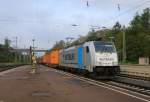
80	58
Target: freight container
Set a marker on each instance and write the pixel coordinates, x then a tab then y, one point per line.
54	58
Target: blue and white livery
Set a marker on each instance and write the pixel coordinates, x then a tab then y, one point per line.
97	57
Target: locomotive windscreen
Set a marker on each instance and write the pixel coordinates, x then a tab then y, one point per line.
104	47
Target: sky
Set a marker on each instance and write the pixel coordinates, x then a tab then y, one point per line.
48	21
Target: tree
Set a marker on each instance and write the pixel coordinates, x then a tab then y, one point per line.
117	33
5	55
117	27
59	45
100	35
7	43
138	36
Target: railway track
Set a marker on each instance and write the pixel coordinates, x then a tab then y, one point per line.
111	84
132	87
137	82
123	82
135	77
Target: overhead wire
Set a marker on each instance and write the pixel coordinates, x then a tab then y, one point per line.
128	10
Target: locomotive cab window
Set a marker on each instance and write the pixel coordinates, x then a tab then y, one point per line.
87	49
104	47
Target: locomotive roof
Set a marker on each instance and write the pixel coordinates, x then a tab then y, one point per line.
95	42
103	42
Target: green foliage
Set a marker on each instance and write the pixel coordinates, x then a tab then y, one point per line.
9	57
80	40
5	55
7	43
138	36
59	45
117	33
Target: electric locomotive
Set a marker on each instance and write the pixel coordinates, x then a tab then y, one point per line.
96	57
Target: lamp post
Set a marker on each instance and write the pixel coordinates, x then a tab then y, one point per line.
33	48
16	41
124	46
16	38
33	40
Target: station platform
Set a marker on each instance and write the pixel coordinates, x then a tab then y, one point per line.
47	85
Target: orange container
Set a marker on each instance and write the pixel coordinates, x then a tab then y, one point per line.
46	58
51	58
54	57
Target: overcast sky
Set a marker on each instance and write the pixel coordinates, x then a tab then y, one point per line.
48	21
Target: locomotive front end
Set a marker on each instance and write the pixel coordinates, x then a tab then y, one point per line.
106	59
